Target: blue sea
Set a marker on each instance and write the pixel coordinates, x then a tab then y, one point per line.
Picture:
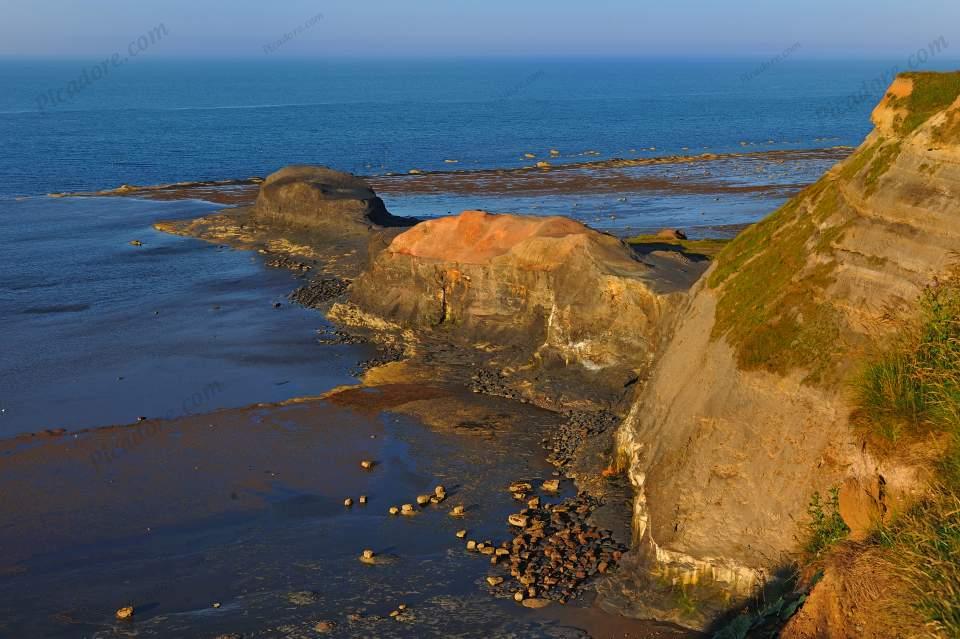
208	517
156	121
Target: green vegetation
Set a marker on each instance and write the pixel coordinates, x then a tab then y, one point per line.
912	390
772	278
879	166
949	131
923	547
914	386
706	247
932	92
766	622
826	526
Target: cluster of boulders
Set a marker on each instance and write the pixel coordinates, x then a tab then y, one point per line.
288	263
579	426
319	291
555	554
492	383
331	336
438	496
386	353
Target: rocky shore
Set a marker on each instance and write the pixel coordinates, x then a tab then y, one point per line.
713	385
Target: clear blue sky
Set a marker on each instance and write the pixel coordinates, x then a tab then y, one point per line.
240	28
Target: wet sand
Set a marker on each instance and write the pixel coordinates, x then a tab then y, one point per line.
243	507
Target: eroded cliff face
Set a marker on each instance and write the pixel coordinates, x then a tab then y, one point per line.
747	412
570	314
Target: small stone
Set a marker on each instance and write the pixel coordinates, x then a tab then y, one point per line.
471	545
536	603
125	613
543	165
502	552
534	502
394	510
520	521
366	464
348	502
402	607
440	491
134	243
458	511
518	596
408	510
520	487
324	627
367	556
461	534
486	550
423	500
494	581
551	485
394	613
519	496
363	499
216	604
302	598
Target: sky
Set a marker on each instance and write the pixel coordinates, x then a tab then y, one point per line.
476	28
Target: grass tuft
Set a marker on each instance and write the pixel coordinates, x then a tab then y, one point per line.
826	526
911	390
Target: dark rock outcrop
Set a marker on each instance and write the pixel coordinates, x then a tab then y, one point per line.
323	199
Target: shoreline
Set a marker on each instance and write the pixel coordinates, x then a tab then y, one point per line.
243	190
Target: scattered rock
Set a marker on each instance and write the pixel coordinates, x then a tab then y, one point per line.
423	500
520	487
363	500
348	502
408	510
303	598
471	546
366	464
542	164
324	627
520	521
394	510
136	243
461	534
494	581
125	613
458	511
368	556
551	485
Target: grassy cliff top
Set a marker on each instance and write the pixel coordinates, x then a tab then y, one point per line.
932	93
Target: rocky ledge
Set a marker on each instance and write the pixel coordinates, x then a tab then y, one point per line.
567	315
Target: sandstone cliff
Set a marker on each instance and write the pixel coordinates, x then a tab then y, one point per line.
569	312
748	409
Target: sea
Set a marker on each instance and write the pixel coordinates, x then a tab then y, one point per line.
230	520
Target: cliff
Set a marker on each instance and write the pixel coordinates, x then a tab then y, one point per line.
573	315
748	410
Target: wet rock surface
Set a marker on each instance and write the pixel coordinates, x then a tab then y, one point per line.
320	291
579	426
386	353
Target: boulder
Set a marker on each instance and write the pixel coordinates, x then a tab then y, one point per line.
316	197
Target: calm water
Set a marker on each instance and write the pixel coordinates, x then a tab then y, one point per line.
95	331
155	121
